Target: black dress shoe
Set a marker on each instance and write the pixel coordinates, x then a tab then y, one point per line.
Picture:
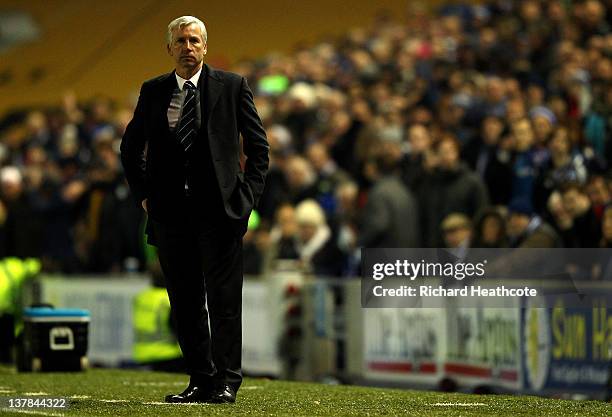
193	394
223	394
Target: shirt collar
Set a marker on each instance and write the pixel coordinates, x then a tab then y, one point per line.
181	81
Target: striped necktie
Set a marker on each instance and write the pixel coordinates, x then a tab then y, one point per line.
186	127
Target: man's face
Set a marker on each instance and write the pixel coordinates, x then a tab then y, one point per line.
523	134
515	110
285	219
307	232
492	129
517	224
419	139
491	230
187	46
571	201
317	156
560	145
448	154
456	236
598	192
542	128
495	90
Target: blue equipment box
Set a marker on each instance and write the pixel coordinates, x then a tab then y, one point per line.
53	339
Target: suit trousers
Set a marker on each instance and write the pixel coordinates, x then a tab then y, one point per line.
201	258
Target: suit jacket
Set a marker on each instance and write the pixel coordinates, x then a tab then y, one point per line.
154	163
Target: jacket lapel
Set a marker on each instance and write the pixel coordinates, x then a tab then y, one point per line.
213	90
167	88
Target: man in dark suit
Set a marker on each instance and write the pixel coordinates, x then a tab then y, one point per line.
181	156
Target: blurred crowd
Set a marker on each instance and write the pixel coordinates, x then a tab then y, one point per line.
478	126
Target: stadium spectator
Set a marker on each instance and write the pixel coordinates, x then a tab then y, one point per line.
544	121
412	165
316	245
586	228
37	131
489	156
329	176
599	193
490	230
457	231
390	218
281	242
344	224
301	179
344	149
276	187
526	229
524	165
561	167
21	224
449	188
560	218
301	115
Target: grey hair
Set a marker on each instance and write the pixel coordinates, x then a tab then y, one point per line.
181	22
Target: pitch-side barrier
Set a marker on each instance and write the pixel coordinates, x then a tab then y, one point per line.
302	327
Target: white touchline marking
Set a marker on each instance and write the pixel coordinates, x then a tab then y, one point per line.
6	391
459	404
35	393
114	401
251	387
79	397
38	413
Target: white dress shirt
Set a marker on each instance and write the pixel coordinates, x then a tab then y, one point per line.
178	96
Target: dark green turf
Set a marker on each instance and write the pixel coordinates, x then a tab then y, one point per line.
262	397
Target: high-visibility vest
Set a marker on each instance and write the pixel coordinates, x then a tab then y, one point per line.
13	273
153	339
6	293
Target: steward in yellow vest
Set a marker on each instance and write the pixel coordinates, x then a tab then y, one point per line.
153	337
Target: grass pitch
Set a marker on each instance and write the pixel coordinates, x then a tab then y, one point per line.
136	393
